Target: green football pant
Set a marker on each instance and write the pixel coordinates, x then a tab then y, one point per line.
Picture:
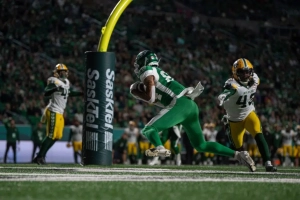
185	112
170	134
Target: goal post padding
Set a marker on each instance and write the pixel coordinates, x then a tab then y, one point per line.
98	108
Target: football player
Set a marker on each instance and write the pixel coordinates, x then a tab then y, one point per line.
237	99
159	88
58	91
132	133
76	138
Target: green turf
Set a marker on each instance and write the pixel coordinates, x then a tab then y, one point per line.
173	188
146	190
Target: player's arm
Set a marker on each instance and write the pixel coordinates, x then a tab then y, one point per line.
229	90
6	122
146	90
50	89
75	93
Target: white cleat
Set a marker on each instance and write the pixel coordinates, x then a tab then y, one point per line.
178	159
155	152
155	161
244	158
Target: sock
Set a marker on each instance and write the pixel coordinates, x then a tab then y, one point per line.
47	143
235	155
263	147
50	145
174	147
152	135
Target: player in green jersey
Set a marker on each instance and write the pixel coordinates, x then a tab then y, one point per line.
159	88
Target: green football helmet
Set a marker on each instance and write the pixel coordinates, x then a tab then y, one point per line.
145	58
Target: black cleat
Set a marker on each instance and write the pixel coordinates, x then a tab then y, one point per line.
39	160
271	168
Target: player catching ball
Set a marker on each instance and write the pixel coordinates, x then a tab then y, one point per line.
158	87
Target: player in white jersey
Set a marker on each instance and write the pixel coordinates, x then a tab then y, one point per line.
76	138
297	146
288	137
132	141
237	99
58	91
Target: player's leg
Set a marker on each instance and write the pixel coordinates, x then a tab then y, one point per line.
236	131
34	150
192	127
55	124
165	119
174	140
14	148
6	152
164	136
253	125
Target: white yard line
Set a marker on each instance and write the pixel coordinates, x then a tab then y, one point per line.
148	170
144	178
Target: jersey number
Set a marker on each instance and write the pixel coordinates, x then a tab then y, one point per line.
65	93
166	76
243	100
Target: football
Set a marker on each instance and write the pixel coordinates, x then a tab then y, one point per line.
141	87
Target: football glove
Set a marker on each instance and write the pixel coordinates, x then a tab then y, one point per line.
195	92
225	119
69	145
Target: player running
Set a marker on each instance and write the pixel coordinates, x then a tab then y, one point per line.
157	87
237	99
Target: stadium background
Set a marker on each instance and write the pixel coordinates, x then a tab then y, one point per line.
196	39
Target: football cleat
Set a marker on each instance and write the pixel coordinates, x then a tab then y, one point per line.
155	161
39	160
269	167
155	152
244	158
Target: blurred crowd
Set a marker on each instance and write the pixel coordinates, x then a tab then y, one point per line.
35	35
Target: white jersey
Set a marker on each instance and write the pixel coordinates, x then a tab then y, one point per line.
211	135
132	134
59	99
287	137
240	104
76	133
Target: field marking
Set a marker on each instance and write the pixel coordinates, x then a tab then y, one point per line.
151	170
145	178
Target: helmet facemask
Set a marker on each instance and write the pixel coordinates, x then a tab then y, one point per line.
242	71
61	71
145	58
244	75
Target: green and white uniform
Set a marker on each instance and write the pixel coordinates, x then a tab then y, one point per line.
177	109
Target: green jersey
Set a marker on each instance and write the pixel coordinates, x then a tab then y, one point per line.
38	134
167	90
12	133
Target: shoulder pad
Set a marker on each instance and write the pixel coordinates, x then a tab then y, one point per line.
55	81
230	84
